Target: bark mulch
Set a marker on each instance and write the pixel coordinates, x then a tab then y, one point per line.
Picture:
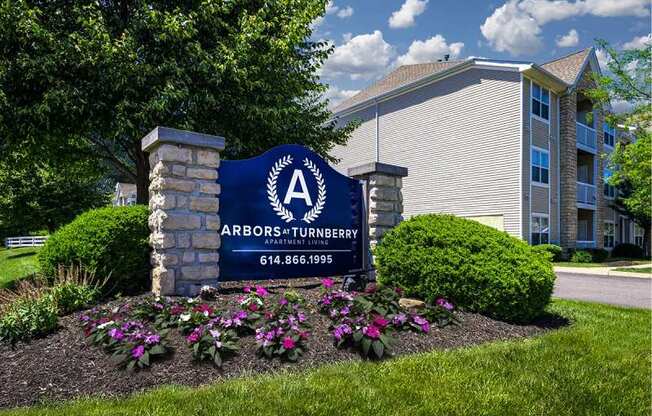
64	366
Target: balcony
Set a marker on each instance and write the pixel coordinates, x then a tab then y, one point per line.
586	138
586	197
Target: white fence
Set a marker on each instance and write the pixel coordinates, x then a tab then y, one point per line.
36	241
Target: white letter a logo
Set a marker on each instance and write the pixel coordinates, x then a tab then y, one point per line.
298	174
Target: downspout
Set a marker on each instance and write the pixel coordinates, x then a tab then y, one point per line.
377	133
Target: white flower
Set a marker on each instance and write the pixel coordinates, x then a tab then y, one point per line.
105	324
206	313
191	300
185	317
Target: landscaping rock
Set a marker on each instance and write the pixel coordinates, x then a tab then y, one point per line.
407	303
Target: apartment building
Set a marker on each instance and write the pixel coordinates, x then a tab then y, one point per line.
515	145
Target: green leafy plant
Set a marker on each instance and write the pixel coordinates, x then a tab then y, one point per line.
581	256
111	241
478	267
27	317
212	343
552	251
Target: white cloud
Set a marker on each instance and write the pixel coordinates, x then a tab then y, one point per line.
572	38
404	17
335	96
430	50
345	12
515	27
510	29
639	42
361	57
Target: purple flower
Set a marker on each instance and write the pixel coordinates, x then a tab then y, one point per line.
152	339
380	322
194	335
215	333
301	317
345	310
116	334
282	301
138	351
342	330
444	304
327	282
422	322
157	306
241	315
399	320
247	289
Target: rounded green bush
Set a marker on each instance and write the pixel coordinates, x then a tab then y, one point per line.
581	256
111	241
478	267
627	250
554	252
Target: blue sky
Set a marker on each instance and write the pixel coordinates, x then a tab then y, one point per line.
373	36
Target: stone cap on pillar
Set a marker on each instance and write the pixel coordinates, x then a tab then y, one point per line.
378	167
169	135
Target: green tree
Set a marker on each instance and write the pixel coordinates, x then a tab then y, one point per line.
629	78
91	78
35	196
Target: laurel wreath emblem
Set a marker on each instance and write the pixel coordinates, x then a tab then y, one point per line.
272	194
312	215
285	214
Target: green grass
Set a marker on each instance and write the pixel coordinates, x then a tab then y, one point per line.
610	262
598	366
16	263
638	270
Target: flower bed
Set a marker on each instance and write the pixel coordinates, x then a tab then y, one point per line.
67	363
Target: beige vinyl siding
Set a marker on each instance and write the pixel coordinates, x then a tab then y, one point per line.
361	147
539	199
460	140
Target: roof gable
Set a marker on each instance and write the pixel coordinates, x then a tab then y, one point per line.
569	67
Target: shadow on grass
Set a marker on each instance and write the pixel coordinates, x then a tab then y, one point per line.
23	254
549	320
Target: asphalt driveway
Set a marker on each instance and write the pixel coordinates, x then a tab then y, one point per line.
623	291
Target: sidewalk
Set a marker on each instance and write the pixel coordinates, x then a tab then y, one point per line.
606	271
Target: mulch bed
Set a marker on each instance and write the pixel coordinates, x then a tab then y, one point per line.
64	366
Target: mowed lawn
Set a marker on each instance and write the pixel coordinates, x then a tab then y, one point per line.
600	365
16	263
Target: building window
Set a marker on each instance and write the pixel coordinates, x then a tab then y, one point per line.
609	234
540	166
609	135
540	101
608	190
638	235
540	229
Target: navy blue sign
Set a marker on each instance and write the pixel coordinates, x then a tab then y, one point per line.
287	213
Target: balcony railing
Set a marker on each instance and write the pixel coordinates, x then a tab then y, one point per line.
586	138
586	193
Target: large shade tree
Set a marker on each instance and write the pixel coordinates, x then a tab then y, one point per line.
91	78
629	78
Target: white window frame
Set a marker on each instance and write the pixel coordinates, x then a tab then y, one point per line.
540	100
606	129
539	166
534	217
639	233
607	235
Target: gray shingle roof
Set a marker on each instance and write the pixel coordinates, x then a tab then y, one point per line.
568	67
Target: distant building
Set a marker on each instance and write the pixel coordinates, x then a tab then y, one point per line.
124	194
515	145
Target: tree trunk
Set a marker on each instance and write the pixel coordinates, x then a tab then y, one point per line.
142	177
646	241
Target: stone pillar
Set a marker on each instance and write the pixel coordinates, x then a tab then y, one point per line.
568	171
384	197
183	203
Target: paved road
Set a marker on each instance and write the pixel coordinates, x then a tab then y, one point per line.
624	291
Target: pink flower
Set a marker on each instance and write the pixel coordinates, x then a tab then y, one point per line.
138	351
371	331
327	282
203	308
241	315
282	301
194	336
380	322
288	343
253	307
177	310
370	288
247	289
261	291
